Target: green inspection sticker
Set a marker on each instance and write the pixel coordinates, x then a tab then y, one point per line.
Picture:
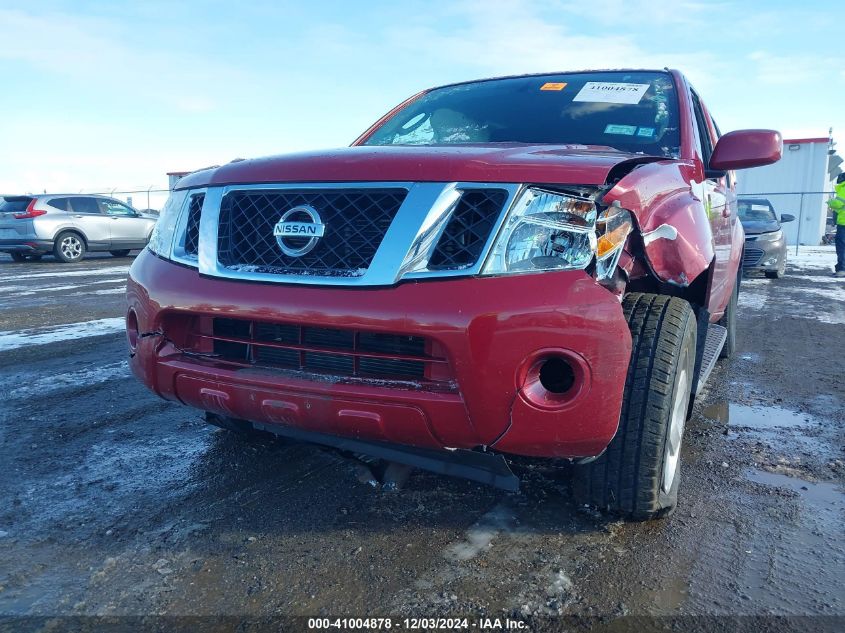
627	130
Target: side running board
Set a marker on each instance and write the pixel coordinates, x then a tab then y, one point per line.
713	344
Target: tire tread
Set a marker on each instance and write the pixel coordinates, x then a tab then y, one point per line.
625	479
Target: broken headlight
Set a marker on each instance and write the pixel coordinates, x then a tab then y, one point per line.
546	230
161	239
614	225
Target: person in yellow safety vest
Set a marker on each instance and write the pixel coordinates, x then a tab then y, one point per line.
837	205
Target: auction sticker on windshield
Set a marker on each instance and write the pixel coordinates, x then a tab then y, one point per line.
611	92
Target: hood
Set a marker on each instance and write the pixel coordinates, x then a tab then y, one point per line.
755	227
564	164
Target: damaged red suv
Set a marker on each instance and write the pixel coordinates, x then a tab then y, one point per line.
544	265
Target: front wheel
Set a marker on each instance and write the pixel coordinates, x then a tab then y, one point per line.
120	253
69	248
637	476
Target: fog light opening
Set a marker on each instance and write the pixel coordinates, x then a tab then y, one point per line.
132	330
557	375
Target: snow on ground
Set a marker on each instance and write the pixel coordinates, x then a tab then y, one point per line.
752	300
811	257
30	384
24	291
53	333
85	272
812	294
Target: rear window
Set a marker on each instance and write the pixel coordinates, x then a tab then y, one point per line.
14	204
629	111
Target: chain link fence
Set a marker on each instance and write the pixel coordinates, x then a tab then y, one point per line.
812	225
150	199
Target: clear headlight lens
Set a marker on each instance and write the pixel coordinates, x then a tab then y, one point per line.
770	237
161	239
545	231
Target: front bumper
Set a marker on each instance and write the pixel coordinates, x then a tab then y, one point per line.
764	255
490	328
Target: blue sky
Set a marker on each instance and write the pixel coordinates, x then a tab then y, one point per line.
104	95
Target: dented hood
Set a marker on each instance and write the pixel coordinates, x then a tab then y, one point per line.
563	164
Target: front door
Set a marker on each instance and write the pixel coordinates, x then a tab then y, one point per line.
85	214
720	211
126	228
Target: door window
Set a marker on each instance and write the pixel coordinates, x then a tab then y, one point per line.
84	205
703	132
113	207
59	203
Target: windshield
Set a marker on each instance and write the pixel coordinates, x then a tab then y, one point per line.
756	211
629	111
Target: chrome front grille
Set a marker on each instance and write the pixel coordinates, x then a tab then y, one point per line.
356	221
192	229
466	233
370	233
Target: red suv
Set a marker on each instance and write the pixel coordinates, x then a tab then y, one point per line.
544	265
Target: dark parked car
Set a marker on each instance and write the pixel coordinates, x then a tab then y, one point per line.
765	244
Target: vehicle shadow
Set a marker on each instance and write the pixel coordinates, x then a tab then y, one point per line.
271	485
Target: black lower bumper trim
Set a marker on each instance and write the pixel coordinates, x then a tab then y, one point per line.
17	246
486	468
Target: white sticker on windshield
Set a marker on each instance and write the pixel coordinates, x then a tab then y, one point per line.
759	207
608	92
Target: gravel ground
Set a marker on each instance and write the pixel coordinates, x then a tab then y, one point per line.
116	503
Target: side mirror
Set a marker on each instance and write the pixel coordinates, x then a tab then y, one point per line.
746	148
786	217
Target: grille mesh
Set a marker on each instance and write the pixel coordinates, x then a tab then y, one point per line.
356	221
462	241
192	230
752	256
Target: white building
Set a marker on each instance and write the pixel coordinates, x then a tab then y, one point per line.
798	184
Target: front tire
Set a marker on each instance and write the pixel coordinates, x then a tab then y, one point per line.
69	247
120	253
637	476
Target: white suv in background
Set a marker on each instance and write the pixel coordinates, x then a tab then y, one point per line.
69	225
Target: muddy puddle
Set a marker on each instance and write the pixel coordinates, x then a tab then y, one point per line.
823	498
758	418
770	425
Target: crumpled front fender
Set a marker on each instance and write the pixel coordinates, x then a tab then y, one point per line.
672	216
